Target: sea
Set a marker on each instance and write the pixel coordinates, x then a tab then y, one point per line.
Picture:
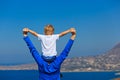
33	75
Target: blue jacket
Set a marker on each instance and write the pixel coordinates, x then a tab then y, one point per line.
48	71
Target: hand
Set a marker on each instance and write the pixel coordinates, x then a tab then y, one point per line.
73	31
25	31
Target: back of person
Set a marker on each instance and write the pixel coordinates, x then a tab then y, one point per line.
48	75
48	43
49	71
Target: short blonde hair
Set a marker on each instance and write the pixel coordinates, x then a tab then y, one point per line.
49	29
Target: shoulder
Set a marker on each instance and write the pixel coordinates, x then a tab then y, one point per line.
56	36
40	36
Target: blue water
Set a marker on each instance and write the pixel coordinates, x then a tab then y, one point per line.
33	75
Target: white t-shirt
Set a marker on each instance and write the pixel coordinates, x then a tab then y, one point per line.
48	43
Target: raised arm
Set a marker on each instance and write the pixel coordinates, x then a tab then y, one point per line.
55	65
33	32
31	47
64	33
73	32
66	50
26	30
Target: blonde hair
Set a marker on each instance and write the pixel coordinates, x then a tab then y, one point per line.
49	29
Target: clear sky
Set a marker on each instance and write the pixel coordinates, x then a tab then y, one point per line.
97	23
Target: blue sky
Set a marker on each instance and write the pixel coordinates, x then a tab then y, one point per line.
97	23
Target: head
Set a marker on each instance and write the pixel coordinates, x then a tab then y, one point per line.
49	30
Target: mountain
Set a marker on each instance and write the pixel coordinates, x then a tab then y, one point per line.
108	61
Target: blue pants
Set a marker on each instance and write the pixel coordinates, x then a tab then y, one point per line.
48	59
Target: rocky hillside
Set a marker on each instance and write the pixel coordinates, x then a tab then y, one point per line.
106	62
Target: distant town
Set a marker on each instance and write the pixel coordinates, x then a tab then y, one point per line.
108	61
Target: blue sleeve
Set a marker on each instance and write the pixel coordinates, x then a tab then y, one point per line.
33	50
65	52
57	62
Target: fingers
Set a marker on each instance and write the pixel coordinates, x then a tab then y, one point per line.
73	31
25	31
